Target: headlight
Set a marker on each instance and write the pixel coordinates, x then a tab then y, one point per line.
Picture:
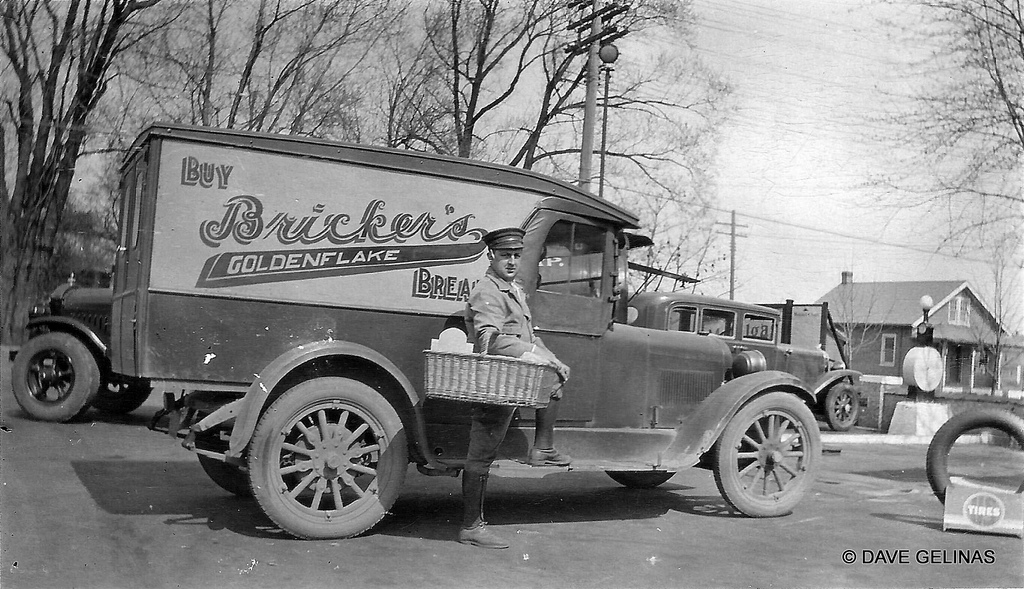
39	309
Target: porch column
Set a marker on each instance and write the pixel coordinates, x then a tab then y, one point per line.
970	379
943	351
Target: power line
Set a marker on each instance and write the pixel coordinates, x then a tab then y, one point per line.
850	236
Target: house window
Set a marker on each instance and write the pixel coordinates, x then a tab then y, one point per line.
888	355
960	311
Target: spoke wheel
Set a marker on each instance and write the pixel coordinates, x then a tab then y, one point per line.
55	377
768	455
639	479
842	407
328	459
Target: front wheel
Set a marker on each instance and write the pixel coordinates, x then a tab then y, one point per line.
842	407
55	377
328	458
768	455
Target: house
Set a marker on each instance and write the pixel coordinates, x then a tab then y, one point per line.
880	321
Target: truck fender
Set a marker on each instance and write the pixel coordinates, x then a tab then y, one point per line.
697	433
69	325
256	396
830	378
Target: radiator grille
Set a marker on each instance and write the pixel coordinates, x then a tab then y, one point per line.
680	388
99	322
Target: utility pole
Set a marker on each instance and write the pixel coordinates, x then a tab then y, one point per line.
732	252
590	105
595	24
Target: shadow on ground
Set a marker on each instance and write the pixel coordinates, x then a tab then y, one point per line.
185	496
181	491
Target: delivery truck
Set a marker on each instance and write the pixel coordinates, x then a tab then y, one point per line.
279	293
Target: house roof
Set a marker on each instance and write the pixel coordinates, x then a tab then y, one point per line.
890	303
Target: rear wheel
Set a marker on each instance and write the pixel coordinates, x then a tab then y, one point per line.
842	407
227	476
639	479
768	455
55	377
328	459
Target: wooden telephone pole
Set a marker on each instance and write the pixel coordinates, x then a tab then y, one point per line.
732	251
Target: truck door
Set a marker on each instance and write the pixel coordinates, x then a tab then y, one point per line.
128	268
571	300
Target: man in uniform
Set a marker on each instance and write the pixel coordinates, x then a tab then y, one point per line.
499	323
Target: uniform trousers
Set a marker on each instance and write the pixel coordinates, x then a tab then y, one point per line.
490	423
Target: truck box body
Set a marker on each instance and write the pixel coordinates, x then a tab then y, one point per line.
258	249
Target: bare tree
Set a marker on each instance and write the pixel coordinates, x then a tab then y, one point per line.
412	104
859	313
486	47
511	92
997	344
962	137
270	65
55	66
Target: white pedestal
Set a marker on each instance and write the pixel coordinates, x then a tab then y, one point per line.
918	418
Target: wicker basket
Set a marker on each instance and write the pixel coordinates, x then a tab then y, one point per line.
496	380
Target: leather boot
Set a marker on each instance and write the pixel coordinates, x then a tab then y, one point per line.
474	529
543	452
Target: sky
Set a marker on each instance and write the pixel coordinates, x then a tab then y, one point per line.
808	75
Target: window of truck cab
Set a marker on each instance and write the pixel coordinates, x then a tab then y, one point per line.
683	319
572	283
572	260
759	328
718	322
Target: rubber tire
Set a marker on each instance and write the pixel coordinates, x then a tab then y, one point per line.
83	374
639	479
305	399
725	460
123	399
937	459
229	477
835	396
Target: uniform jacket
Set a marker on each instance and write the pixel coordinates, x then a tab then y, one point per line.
495	304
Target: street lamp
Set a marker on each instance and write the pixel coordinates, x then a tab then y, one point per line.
922	367
608	54
925	330
926	306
